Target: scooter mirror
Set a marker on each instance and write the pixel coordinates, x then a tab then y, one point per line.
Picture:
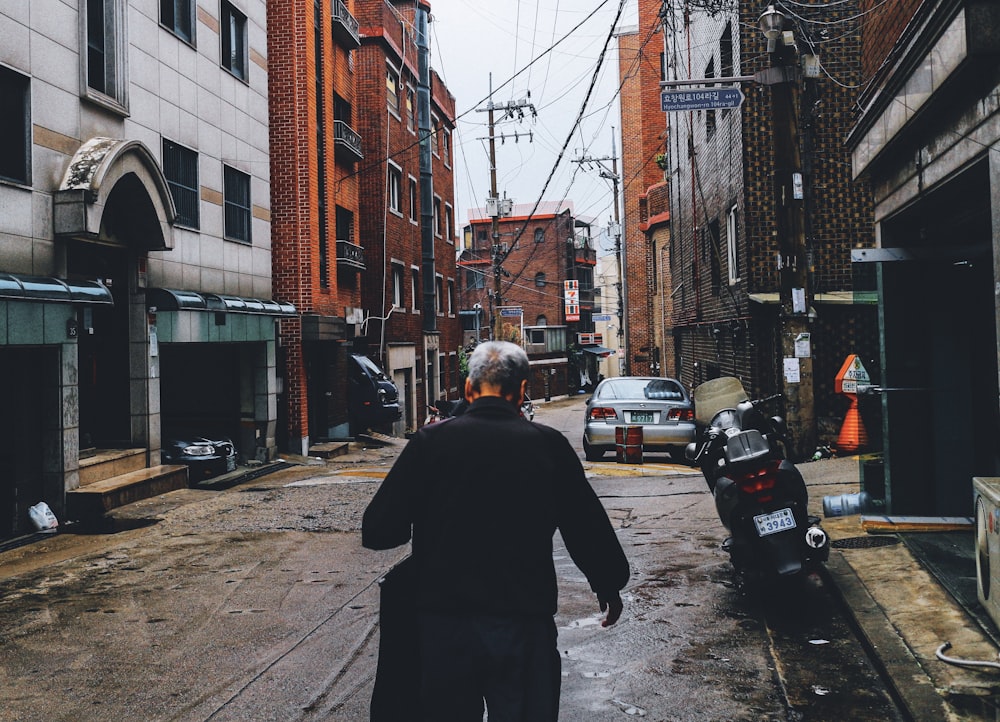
691	452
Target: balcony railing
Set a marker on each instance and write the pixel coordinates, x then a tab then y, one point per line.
347	142
350	255
345	26
585	256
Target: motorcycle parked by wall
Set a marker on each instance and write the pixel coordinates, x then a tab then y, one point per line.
760	496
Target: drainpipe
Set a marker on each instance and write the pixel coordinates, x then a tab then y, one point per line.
426	175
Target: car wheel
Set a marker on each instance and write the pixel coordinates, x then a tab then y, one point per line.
591	453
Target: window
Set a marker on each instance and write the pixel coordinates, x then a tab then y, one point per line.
236	194
474	279
451	296
234	40
397	285
415	293
439	295
726	67
435	125
446	146
449	224
732	244
393	182
392	88
178	17
180	166
715	262
539	335
106	48
437	216
411	110
345	225
414	202
539	235
15	124
540	280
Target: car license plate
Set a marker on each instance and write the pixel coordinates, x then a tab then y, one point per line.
775	522
641	417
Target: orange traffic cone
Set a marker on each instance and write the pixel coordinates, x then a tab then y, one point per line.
853	435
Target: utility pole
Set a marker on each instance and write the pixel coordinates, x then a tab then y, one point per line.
510	110
616	231
783	78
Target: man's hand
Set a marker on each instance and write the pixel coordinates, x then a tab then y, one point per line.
613	606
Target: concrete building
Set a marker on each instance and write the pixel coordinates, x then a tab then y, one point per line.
135	244
410	322
927	141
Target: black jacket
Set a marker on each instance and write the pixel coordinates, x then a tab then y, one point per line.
484	493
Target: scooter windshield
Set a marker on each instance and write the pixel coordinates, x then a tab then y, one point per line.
713	396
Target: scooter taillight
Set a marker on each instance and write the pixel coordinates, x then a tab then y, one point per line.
602	413
760	482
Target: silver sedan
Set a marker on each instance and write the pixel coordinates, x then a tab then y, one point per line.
661	406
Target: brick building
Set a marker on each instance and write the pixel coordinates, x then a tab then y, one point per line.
724	251
407	201
648	343
544	246
318	250
926	140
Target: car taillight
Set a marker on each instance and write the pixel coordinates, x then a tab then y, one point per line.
759	482
680	415
602	413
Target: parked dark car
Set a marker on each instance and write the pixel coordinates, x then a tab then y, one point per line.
205	457
372	398
661	406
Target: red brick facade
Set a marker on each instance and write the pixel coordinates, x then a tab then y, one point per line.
396	282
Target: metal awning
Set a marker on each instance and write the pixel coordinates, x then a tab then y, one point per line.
172	299
601	351
53	290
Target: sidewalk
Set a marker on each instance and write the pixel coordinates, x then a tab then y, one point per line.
905	613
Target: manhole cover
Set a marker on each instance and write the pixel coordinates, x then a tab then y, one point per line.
864	542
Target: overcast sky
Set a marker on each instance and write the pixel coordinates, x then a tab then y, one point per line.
550	49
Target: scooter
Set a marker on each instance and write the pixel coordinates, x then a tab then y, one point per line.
527	409
760	496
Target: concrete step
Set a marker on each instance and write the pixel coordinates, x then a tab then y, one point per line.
330	449
96	498
108	463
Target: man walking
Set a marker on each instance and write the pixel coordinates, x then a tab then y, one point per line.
483	494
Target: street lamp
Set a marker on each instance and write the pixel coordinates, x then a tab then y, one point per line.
771	23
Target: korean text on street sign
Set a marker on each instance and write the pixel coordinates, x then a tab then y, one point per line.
511	311
601	317
852	374
701	99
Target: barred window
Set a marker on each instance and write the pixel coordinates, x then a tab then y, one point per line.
180	166
236	193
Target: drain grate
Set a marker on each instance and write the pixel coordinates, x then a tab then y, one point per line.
864	542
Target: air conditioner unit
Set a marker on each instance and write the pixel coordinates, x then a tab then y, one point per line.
987	493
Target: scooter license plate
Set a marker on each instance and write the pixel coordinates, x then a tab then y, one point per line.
774	522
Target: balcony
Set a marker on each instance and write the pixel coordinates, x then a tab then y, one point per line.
345	26
346	143
350	255
585	256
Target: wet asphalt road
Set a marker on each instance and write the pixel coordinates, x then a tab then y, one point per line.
258	603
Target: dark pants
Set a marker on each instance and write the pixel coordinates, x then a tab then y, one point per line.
510	662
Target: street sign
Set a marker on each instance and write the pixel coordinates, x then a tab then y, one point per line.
602	317
701	99
511	311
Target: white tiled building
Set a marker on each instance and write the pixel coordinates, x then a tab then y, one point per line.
135	250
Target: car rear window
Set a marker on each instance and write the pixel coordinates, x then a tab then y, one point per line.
654	389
